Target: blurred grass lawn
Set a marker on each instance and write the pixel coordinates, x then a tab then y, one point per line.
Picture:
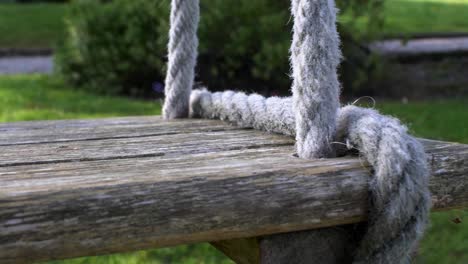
425	16
38	25
407	17
35	97
40	97
41	25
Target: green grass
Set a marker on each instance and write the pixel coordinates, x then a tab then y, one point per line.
436	119
40	25
30	25
39	97
425	16
445	241
409	17
36	97
190	254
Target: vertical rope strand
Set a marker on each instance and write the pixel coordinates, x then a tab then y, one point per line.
315	56
182	55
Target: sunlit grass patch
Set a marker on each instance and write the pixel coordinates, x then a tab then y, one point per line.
40	97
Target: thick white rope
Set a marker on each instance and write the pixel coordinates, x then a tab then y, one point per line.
182	54
399	192
315	55
271	114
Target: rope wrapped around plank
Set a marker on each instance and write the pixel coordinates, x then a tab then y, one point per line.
399	195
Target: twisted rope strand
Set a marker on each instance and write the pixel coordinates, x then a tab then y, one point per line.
182	54
251	111
399	188
315	56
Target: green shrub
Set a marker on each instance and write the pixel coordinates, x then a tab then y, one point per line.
119	47
244	45
116	47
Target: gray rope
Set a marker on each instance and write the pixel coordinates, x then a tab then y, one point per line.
271	114
400	198
315	55
399	194
182	54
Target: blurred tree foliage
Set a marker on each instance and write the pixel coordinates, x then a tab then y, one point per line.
119	46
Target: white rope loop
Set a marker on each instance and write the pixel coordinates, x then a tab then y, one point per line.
182	54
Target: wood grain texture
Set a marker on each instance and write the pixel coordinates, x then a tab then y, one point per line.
109	188
98	129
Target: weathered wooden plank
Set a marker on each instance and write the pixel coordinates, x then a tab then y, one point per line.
112	128
44	124
69	209
162	145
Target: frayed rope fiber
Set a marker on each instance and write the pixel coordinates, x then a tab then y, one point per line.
399	195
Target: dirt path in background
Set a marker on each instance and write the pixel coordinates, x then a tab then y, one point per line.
400	48
423	46
34	64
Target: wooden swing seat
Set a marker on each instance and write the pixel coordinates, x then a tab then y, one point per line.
89	187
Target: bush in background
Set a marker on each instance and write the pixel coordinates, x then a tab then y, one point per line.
116	47
244	45
119	47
